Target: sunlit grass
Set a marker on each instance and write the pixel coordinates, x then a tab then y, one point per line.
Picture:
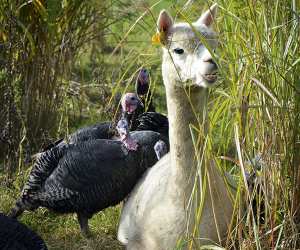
257	100
258	94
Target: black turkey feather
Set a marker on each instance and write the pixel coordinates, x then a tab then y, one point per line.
16	236
102	130
87	177
153	121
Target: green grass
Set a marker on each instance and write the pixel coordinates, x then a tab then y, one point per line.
62	231
255	103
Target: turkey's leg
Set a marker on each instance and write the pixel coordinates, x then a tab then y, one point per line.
84	225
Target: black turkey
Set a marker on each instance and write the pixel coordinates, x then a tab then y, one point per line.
16	236
87	177
149	120
142	89
131	107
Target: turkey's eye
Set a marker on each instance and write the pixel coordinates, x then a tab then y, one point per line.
132	99
179	51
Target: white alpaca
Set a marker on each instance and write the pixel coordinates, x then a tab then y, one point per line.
159	210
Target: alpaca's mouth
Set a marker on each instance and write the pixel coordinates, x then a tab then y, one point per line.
211	78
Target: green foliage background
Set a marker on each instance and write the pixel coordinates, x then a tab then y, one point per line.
64	64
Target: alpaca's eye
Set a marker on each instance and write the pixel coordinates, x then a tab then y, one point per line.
179	51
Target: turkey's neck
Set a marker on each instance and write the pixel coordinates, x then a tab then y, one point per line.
186	109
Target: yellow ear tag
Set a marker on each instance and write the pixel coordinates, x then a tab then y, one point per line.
159	38
156	39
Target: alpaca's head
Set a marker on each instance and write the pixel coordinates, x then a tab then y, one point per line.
186	60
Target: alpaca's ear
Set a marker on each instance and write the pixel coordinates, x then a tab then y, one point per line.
164	22
208	17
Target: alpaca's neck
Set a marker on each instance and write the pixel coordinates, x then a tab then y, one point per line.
186	108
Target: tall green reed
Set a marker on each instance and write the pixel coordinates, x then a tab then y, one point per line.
254	116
